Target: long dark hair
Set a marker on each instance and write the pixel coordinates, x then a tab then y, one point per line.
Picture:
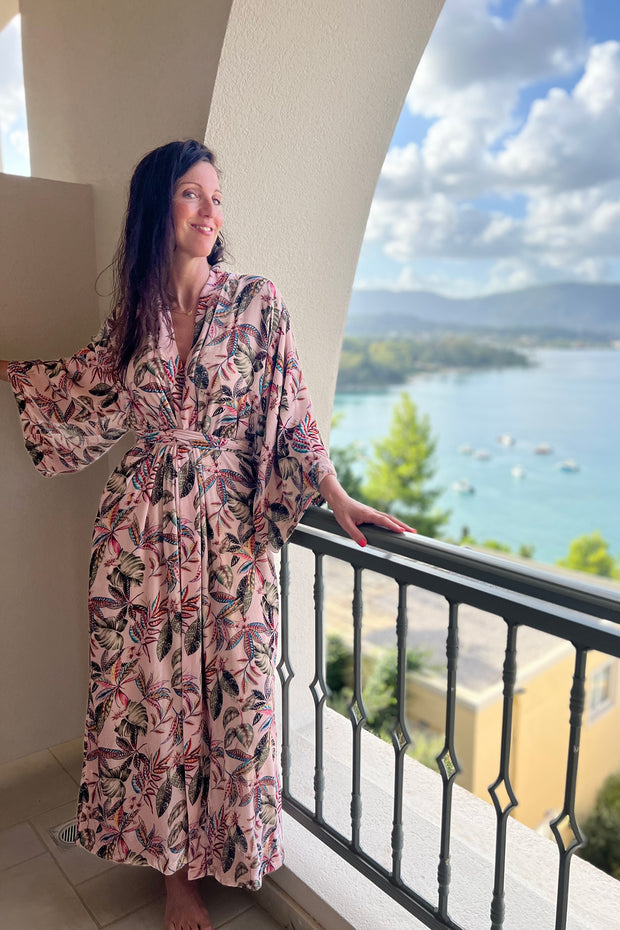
142	261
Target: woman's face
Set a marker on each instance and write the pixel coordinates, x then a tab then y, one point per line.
197	210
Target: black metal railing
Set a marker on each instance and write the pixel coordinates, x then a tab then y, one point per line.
573	611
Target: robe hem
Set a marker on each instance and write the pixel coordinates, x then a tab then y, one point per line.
219	876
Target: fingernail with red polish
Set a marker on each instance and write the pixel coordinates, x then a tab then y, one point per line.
361	542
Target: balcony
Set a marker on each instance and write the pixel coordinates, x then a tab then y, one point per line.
373	838
441	857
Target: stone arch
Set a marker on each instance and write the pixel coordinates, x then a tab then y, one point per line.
303	144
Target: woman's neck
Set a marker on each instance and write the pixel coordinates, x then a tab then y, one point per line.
186	282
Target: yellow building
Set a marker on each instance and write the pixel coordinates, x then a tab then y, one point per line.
540	721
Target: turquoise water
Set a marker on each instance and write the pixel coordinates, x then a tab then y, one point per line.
568	400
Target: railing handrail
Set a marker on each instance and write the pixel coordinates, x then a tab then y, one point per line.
572	593
519	595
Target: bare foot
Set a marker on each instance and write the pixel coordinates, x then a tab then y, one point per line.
185	909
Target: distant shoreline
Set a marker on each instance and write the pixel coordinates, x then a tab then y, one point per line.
389	362
358	374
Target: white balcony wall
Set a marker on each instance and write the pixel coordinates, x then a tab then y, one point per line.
299	100
107	82
341	898
48	308
8	9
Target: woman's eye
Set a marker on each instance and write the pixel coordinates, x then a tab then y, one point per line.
217	201
190	194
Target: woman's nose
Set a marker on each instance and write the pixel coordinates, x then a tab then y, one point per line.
206	206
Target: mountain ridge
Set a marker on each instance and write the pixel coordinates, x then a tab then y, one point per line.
567	307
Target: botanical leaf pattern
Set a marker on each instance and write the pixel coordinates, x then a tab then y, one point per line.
180	748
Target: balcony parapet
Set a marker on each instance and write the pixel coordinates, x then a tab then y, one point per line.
340	898
448	859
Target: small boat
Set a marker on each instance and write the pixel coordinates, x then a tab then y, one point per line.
482	455
465	449
517	471
463	486
543	448
568	465
506	439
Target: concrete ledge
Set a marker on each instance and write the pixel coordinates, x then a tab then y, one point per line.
335	896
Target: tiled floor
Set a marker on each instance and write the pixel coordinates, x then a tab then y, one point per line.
53	888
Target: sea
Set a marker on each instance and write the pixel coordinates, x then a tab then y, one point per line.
566	400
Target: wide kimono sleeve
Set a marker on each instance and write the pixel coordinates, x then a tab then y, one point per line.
292	460
72	410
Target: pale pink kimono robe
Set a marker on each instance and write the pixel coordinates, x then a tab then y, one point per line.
180	760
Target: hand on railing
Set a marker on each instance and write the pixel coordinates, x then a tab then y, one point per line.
351	513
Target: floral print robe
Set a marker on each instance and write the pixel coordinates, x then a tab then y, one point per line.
180	762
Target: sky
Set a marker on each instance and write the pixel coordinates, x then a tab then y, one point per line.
504	169
14	131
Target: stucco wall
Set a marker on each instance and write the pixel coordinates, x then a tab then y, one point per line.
300	103
303	144
47	308
107	82
8	9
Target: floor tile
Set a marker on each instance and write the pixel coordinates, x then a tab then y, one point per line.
223	902
120	891
35	894
150	917
31	785
18	844
70	757
77	864
254	919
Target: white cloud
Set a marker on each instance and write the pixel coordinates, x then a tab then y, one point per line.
570	139
470	48
448	197
12	98
19	140
13	128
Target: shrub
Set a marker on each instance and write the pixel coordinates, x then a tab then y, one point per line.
602	829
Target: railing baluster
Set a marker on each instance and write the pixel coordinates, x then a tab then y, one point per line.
357	712
549	607
318	688
400	736
567	815
503	778
285	670
447	761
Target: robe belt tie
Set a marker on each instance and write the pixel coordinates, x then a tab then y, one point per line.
194	439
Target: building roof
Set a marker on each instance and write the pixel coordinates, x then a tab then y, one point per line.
482	636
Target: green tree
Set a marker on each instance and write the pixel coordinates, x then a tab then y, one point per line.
590	553
380	697
400	468
602	829
337	664
344	459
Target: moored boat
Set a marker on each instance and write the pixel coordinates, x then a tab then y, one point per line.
463	486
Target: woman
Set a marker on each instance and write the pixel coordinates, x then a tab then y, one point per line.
180	769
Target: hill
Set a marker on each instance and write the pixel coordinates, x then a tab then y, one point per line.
562	309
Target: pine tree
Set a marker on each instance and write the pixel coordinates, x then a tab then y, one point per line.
590	553
400	469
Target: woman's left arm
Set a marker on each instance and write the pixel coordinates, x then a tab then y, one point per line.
350	513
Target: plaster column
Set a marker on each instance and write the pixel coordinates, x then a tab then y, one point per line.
306	100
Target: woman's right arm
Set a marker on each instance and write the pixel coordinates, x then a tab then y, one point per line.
72	410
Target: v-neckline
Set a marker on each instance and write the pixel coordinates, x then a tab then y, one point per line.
215	283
